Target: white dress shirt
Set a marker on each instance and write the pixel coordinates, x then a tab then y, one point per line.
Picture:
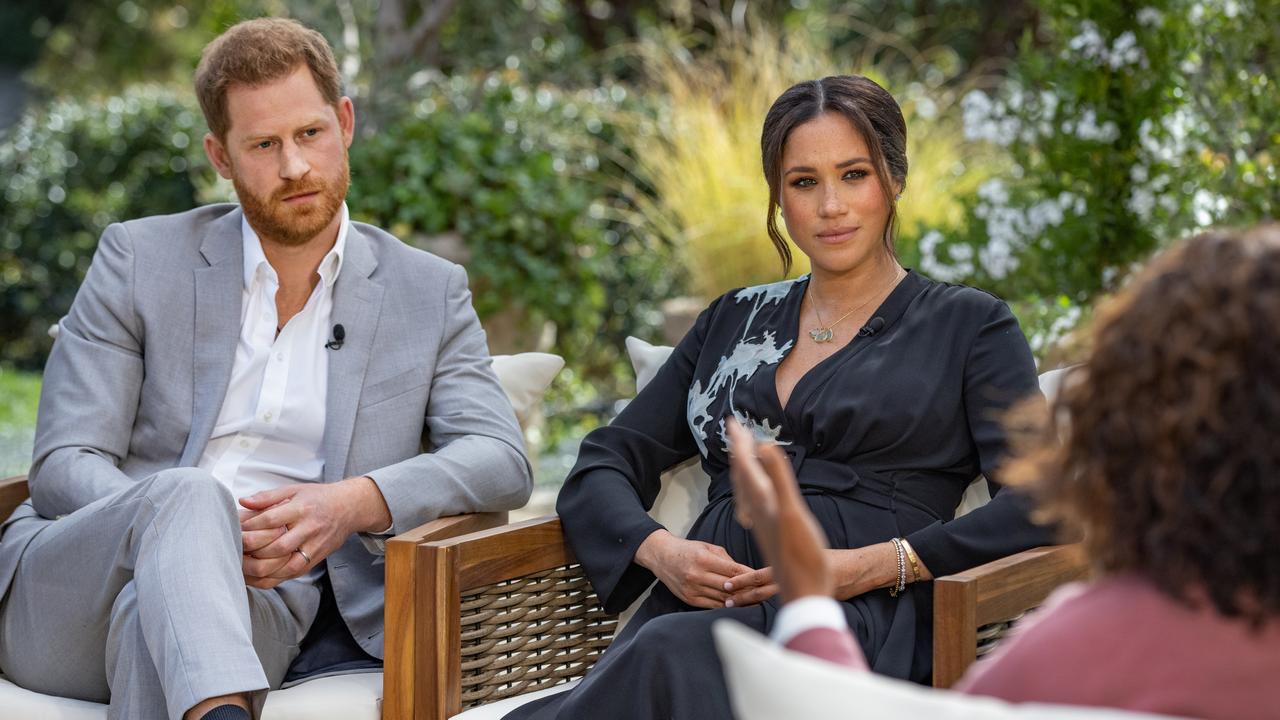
270	430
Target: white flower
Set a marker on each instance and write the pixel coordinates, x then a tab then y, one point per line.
930	242
1048	102
997	258
1150	17
1141	202
1086	127
1125	51
1089	43
994	192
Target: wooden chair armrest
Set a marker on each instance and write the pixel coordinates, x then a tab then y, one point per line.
510	613
13	491
992	593
406	579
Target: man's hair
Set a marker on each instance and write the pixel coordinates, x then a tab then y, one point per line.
256	52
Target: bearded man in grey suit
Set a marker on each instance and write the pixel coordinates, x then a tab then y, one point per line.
235	406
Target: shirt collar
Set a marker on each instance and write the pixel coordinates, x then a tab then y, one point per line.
255	261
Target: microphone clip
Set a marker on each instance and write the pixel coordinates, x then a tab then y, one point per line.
339	337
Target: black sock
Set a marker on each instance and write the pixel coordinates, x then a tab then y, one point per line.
227	712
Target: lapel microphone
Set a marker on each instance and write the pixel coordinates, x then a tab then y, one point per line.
339	336
871	328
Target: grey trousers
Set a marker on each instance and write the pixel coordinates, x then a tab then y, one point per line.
138	600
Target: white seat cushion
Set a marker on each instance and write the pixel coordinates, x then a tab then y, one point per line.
767	682
339	697
495	711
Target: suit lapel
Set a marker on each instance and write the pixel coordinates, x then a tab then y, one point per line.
357	303
219	291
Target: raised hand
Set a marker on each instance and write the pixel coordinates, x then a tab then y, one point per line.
768	502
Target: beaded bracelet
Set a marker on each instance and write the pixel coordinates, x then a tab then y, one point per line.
901	583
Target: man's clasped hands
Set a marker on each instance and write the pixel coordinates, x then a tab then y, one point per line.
289	530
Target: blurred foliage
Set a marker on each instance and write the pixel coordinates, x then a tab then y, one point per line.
697	163
518	175
71	169
102	47
1134	124
19	398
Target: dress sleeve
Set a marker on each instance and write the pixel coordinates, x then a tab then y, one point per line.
604	502
999	371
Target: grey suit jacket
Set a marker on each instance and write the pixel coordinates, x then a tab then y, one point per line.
141	365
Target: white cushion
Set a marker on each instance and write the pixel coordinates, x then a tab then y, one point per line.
339	697
525	378
767	682
684	487
495	710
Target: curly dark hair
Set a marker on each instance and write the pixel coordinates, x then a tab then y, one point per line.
1163	448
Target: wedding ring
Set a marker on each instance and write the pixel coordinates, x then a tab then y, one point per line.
305	556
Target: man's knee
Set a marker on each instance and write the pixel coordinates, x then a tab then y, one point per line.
192	488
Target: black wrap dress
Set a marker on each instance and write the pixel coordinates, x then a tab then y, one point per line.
884	436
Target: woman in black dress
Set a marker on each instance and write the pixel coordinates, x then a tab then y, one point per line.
885	390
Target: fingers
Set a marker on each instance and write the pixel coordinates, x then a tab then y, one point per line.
276	516
255	540
779	474
717	561
751	588
266	498
754	498
753	578
286	543
752	596
255	567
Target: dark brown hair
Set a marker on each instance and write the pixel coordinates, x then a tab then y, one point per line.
1169	462
874	114
256	52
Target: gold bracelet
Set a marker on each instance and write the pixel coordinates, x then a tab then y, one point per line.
915	560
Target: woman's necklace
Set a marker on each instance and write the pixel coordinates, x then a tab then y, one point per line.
824	333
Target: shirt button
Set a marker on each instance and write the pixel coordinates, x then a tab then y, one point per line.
244	443
266	316
279	357
268	416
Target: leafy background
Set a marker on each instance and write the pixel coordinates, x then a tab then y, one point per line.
589	161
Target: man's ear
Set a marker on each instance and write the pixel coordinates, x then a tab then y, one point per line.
217	154
346	119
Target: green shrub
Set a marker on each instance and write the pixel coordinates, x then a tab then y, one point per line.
68	171
1130	124
520	175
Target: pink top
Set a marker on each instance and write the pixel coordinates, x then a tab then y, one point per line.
1122	643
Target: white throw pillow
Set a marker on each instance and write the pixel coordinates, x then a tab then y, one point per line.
525	378
684	487
767	682
646	358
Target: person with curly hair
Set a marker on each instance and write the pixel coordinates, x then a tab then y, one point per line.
1160	451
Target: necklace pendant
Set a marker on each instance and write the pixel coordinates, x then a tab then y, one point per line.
822	334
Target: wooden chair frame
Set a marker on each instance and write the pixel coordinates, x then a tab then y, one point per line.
989	595
406	580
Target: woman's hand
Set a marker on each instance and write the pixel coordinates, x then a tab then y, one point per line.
769	503
696	572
